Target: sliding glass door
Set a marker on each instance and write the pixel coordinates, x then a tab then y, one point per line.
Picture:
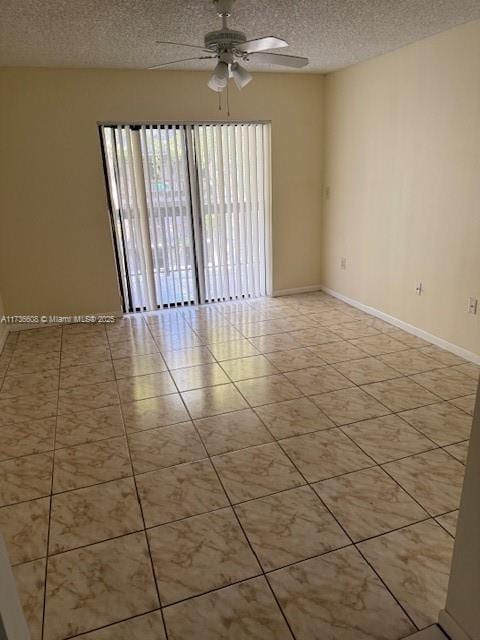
190	207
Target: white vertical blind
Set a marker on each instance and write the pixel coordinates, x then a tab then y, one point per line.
190	211
233	163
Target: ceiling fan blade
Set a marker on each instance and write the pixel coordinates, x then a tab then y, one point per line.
262	44
277	58
181	44
165	64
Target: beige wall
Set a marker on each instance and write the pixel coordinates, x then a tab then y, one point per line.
402	161
55	243
3	329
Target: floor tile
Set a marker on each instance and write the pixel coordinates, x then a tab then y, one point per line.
467	403
33	363
154	412
232	431
202	375
378	345
441	355
366	370
78	601
143	387
24	528
261	328
137	334
324	454
202	403
293	417
415	564
400	394
187	357
83	328
199	554
338	596
314	336
88	426
255	472
89	396
459	451
146	627
294	359
245	611
333	352
250	367
355	329
93	514
89	464
368	503
266	390
87	355
179	492
289	526
135	347
175	341
447	383
25	478
449	522
82	340
387	438
318	380
86	374
442	423
231	350
218	334
349	405
410	361
26	438
469	369
330	317
30	579
34	406
406	338
139	365
21	384
165	447
434	479
278	342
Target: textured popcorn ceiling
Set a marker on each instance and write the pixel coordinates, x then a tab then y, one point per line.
122	33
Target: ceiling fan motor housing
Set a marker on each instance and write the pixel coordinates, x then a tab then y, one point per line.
224	39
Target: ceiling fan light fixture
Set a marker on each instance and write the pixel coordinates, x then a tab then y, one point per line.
219	79
240	75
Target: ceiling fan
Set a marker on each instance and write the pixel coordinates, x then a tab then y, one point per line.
229	47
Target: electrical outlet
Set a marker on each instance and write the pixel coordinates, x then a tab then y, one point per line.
419	289
343	263
472	305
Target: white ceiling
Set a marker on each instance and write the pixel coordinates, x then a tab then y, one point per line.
122	33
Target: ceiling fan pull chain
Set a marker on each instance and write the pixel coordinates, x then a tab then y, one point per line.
219	101
228	101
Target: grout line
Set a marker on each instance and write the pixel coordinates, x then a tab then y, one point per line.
50	506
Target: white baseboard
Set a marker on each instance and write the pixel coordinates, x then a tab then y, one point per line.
288	292
451	627
410	328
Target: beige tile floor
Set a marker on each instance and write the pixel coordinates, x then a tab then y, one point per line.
268	469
